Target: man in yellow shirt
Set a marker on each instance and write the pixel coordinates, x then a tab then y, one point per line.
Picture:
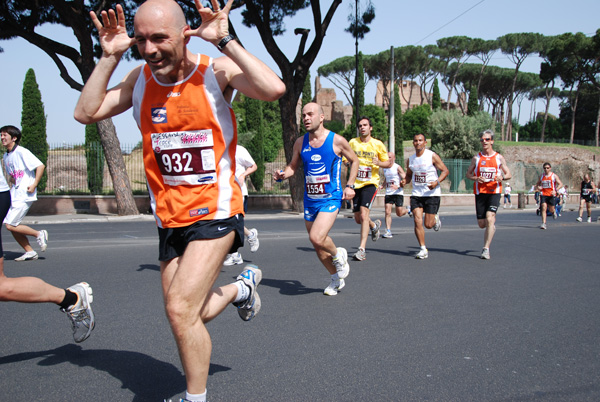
372	155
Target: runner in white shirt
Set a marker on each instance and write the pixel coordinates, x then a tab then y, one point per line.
425	198
244	166
25	171
75	301
393	182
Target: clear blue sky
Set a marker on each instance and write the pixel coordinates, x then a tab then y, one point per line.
397	23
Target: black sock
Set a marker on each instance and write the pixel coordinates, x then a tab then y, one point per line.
69	300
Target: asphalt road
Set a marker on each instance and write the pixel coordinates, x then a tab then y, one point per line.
523	326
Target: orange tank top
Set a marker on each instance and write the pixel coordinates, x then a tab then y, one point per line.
548	184
487	167
189	138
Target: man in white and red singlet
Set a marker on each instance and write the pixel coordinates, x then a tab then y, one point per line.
548	184
422	169
181	103
488	168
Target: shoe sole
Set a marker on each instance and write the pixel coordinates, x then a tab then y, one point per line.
19	259
229	264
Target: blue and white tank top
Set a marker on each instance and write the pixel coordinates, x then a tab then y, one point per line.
322	168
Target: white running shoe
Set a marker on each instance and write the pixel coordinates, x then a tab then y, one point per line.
251	277
589	219
81	314
233	259
360	255
543	226
485	254
341	264
579	219
422	254
375	231
42	239
410	214
253	240
334	287
438	223
387	234
28	256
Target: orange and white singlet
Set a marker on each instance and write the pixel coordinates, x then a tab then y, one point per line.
548	184
189	138
487	167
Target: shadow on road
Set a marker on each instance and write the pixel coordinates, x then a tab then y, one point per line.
146	377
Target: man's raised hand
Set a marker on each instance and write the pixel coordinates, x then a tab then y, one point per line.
112	32
215	24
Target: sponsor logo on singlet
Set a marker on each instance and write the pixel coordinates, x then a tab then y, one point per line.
199	212
159	115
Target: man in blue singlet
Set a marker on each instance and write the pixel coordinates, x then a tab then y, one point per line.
321	151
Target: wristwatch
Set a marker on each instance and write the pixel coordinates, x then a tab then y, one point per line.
223	42
350	186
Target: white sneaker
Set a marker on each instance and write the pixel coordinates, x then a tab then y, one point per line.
341	264
387	234
485	254
253	240
28	256
589	219
334	287
543	226
42	239
233	259
438	223
375	231
81	314
579	219
422	254
251	277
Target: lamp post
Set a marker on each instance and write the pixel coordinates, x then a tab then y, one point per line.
356	111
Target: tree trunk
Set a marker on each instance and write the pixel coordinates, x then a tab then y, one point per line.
287	107
548	97
116	167
573	111
509	110
501	116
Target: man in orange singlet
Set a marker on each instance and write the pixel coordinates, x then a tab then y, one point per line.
548	184
181	103
488	169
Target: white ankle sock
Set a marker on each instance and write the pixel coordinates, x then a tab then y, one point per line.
195	397
243	291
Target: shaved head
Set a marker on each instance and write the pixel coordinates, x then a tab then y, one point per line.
165	11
